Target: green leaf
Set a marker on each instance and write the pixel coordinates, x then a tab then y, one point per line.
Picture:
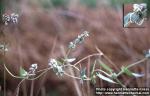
107	68
105	78
23	73
126	71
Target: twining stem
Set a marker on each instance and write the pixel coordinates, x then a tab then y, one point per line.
4	81
75	77
96	54
39	75
12	74
73	66
43	72
120	83
98	70
67	54
131	65
19	87
47	69
102	54
4	71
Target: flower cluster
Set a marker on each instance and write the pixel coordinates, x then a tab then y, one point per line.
79	39
32	69
10	18
3	48
56	67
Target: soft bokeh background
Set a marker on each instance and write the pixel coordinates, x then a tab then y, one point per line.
45	29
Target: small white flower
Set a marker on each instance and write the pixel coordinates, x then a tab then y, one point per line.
6	18
14	17
60	71
32	69
3	47
86	33
79	39
56	67
6	49
34	66
10	18
52	63
72	45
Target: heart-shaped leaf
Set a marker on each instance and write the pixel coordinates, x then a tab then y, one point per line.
23	73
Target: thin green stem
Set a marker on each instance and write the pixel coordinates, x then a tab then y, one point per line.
98	70
68	52
19	87
4	71
75	76
66	56
131	65
42	70
120	83
12	74
73	66
96	54
4	81
39	75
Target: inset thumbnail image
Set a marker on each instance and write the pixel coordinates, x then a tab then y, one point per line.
134	15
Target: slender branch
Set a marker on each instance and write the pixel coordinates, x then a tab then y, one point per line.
12	74
19	87
75	77
131	65
120	83
39	75
96	54
138	62
98	70
43	70
73	66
